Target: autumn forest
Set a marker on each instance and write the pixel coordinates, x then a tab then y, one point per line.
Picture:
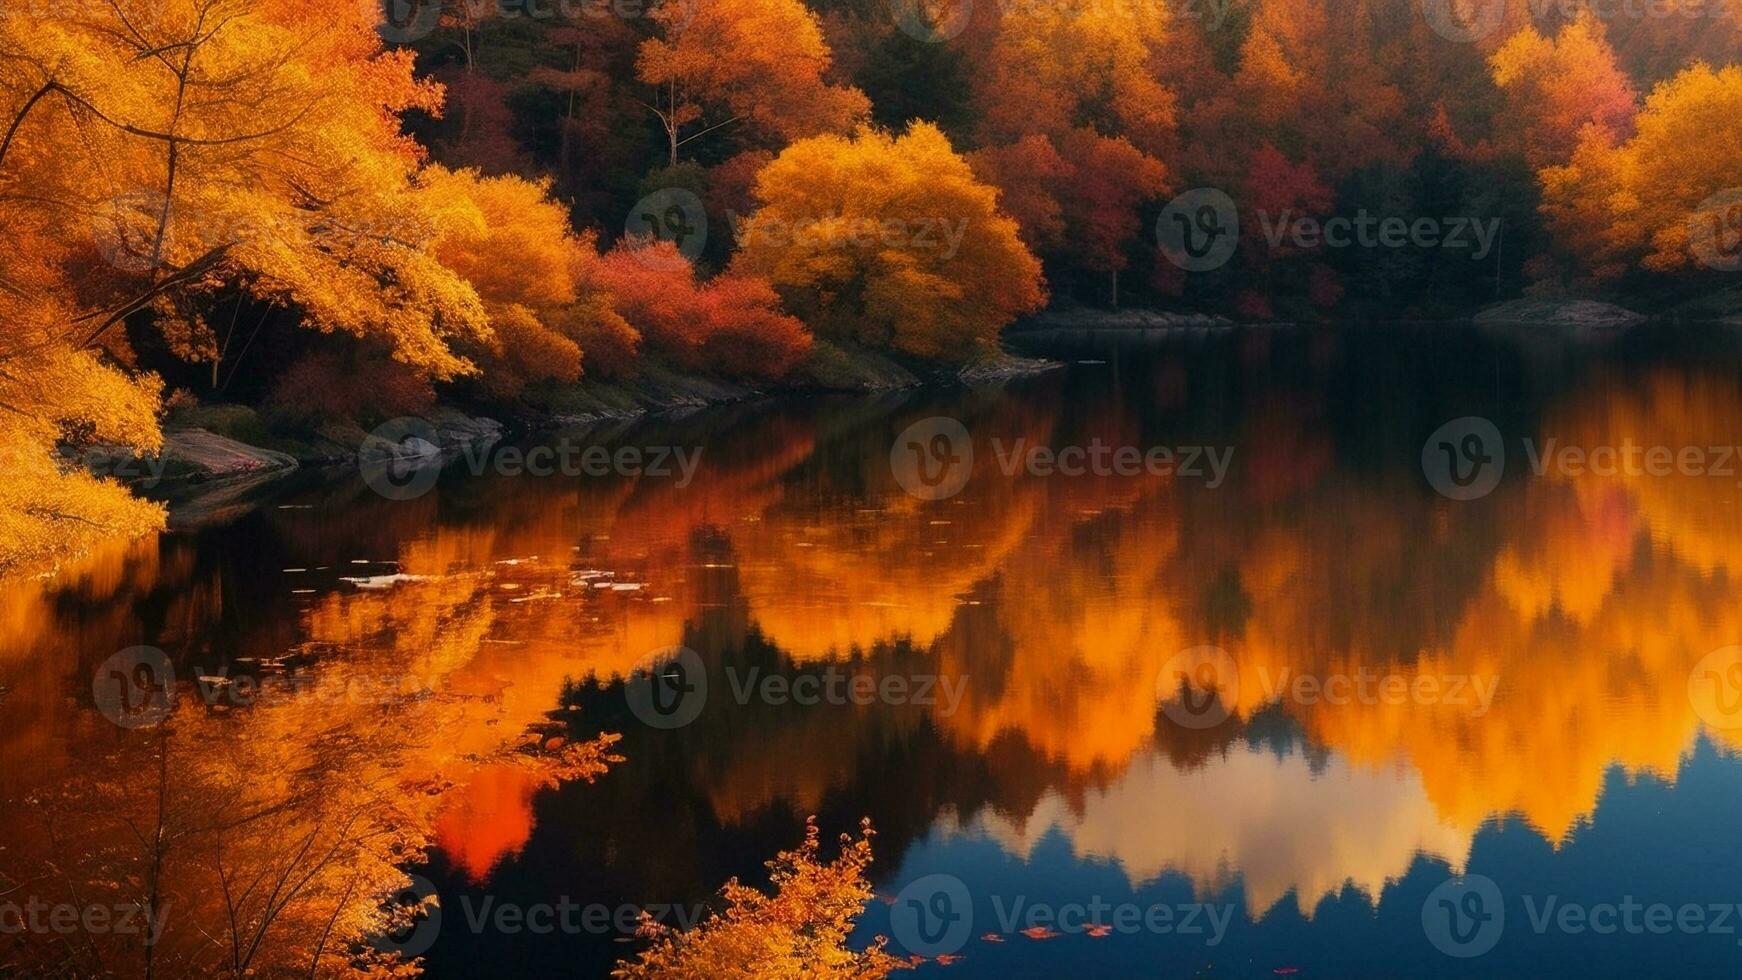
445	200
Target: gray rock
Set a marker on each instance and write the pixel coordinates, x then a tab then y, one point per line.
1583	313
191	455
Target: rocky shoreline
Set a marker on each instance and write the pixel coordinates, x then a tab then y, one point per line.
213	454
226	449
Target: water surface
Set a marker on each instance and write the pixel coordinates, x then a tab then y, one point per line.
1045	616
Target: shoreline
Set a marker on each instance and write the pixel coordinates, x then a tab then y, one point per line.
228	448
222	454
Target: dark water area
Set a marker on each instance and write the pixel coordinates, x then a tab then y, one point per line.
1298	653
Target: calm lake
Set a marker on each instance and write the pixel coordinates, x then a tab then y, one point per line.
1232	690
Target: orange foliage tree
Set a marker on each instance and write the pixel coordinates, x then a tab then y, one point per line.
890	241
1552	88
1072	120
760	62
799	931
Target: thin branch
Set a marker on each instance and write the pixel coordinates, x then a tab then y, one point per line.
710	129
18	120
114	315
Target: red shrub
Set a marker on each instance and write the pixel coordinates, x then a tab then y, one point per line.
730	325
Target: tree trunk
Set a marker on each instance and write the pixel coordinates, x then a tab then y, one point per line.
671	123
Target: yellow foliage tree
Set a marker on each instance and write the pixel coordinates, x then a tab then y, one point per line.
1643	198
890	241
155	154
216	142
52	392
534	274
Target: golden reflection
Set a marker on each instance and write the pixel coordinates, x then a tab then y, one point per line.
1577	602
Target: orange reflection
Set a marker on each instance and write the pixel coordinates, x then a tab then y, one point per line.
1058	602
